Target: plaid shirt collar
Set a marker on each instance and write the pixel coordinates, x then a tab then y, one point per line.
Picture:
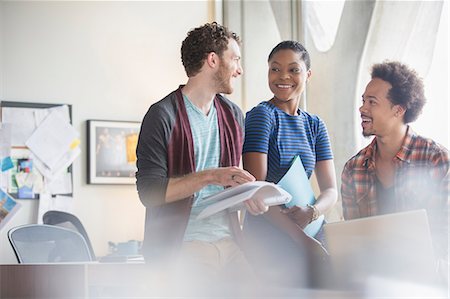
402	155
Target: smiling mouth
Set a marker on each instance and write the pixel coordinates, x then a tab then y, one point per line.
284	86
365	120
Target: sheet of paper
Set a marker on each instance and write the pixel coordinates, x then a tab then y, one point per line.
62	111
61	166
59	203
52	139
25	120
4	180
5	147
16	154
296	182
269	192
61	184
8	207
5	140
22	121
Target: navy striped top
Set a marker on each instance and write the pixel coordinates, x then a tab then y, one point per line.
282	136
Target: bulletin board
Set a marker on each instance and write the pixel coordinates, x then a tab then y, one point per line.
21	155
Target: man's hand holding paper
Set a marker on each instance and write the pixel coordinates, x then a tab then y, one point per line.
256	206
256	196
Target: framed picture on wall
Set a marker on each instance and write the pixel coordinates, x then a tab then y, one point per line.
111	147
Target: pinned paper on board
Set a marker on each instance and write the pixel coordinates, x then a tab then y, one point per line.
42	145
5	148
8	207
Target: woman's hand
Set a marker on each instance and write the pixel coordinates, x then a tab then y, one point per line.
300	215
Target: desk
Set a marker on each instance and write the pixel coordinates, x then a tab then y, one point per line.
71	280
126	280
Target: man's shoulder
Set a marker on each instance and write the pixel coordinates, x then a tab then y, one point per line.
164	107
422	141
223	99
427	148
225	102
167	102
359	159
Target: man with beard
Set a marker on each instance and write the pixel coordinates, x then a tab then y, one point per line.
399	170
190	147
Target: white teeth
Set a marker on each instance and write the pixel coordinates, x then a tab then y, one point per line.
365	119
284	86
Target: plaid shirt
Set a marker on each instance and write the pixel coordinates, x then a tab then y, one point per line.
421	181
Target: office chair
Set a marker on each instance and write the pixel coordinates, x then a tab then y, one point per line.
41	243
69	221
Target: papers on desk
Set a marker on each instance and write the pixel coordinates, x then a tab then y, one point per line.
297	184
235	196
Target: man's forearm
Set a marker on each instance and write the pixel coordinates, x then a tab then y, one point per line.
182	187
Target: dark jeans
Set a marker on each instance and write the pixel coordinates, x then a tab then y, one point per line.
278	260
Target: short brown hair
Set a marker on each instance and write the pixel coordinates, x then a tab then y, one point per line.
201	41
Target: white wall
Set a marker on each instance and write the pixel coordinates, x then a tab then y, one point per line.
1	47
258	42
110	60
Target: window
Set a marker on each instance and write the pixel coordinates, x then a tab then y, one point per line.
322	19
434	121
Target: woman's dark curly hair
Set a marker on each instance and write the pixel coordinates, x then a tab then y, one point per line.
201	41
407	87
294	46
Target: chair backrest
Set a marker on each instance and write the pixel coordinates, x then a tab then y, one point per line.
41	243
69	221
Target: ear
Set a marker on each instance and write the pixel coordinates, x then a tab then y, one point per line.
212	59
308	75
399	111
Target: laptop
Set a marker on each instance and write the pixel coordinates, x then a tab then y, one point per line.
393	246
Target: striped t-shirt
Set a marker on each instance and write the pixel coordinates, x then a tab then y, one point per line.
282	136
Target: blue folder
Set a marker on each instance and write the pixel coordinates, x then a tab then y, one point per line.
296	183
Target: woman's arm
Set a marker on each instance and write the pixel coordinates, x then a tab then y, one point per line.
326	179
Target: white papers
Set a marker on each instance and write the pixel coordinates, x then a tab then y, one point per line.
62	184
62	111
5	154
52	139
52	145
59	203
22	122
230	197
25	120
5	140
65	161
